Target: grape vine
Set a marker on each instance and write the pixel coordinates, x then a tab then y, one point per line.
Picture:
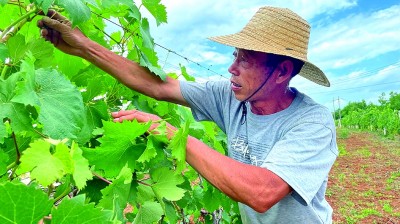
62	159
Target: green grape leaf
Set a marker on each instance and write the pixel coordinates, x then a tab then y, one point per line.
185	74
157	10
93	189
149	212
118	147
116	195
61	108
211	205
165	183
178	146
68	65
38	48
3	162
3	132
3	2
170	212
44	167
74	210
78	11
3	52
118	5
22	204
144	61
9	146
62	153
150	151
95	113
44	4
81	172
16	112
146	36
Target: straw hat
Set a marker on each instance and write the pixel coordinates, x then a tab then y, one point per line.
278	31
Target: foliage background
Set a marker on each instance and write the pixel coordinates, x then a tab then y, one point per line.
62	159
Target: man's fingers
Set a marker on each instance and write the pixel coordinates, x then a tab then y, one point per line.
123	112
54	24
55	15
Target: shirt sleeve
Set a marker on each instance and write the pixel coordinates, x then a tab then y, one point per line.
303	158
207	100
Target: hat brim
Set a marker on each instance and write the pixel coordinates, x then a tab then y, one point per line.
243	41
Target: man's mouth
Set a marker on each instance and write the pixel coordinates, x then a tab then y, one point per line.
235	84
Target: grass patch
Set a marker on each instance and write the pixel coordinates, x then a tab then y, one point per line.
343	133
393	182
342	150
364	153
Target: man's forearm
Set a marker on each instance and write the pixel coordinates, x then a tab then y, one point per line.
257	187
126	71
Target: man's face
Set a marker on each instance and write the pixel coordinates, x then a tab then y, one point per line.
248	71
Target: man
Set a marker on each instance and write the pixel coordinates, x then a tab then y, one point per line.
281	143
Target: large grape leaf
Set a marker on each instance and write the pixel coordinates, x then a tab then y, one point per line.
16	112
118	147
3	162
144	61
44	167
78	11
95	113
121	6
43	4
150	151
165	183
3	132
74	210
117	194
178	146
146	36
22	204
61	109
93	189
3	53
149	212
157	10
68	65
8	147
81	172
38	48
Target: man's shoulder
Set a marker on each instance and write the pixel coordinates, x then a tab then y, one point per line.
309	109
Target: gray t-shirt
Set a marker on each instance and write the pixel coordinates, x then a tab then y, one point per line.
298	144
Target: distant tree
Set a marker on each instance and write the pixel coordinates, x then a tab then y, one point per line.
394	100
352	106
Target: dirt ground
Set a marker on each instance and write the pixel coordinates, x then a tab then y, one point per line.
364	184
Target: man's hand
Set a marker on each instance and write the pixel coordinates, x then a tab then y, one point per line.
58	30
142	117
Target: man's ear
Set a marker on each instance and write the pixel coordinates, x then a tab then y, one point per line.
285	70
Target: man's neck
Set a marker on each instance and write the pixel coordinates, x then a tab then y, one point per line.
274	104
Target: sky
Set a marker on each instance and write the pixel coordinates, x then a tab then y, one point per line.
355	42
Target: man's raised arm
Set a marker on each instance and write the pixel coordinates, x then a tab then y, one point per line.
58	31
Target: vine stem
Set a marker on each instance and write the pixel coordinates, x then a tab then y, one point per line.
21	20
12	165
64	193
146	184
4	71
16	148
180	210
101	178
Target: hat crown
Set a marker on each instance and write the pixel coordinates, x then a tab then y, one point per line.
277	31
280	29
